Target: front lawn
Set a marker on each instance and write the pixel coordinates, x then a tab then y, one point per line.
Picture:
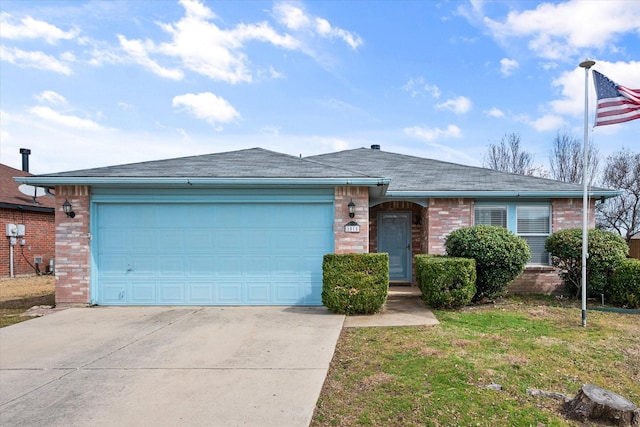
437	376
19	294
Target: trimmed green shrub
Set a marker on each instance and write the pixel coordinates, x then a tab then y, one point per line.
624	285
605	248
500	256
355	283
446	282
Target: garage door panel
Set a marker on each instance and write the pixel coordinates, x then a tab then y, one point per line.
211	253
228	266
141	239
229	292
141	266
113	291
200	266
200	293
171	266
257	266
172	293
143	292
199	240
258	292
113	265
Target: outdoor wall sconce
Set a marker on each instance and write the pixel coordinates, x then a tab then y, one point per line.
352	209
68	209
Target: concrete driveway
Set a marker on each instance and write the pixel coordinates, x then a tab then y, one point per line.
166	366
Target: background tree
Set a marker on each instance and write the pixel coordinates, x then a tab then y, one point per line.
508	156
566	159
622	213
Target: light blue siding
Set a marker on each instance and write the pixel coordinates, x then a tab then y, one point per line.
217	251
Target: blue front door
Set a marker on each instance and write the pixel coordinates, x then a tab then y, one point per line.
394	238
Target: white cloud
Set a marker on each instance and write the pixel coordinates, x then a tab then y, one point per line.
433	90
52	116
507	66
545	123
138	51
38	60
324	28
459	105
494	112
430	134
29	28
559	31
571	84
208	107
294	18
202	47
51	97
291	17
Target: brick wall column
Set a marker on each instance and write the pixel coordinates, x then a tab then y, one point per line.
72	246
351	242
567	213
445	216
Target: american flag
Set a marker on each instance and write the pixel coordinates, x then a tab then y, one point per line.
616	103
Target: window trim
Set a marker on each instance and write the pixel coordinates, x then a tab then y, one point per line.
512	219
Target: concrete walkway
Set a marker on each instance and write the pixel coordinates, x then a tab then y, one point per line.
404	307
166	366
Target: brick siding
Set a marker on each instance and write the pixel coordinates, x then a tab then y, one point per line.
565	213
351	242
39	241
72	246
443	217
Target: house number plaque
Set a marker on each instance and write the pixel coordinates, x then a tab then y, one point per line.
352	227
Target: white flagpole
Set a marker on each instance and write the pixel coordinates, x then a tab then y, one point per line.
585	206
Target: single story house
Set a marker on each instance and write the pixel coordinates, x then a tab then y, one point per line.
250	227
27	221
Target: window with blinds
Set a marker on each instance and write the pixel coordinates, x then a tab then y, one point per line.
534	225
491	215
531	222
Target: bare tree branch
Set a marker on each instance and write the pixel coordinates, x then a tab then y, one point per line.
507	156
622	213
566	159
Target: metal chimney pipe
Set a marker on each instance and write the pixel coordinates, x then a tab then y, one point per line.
25	159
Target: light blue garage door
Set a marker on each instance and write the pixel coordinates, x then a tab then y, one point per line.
213	253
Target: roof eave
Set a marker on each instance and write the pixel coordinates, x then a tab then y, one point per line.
51	182
504	194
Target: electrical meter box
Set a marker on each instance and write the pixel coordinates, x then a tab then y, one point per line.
12	230
20	230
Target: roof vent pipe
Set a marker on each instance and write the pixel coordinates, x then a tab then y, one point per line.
375	147
25	159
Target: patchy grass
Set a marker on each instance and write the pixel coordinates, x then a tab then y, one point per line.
436	376
19	294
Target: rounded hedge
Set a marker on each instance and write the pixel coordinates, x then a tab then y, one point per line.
446	282
355	283
624	285
605	252
500	256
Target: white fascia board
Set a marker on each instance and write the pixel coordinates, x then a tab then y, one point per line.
51	182
504	194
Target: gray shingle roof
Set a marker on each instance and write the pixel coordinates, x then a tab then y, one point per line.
249	163
410	173
407	173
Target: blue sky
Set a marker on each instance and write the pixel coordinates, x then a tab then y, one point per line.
96	83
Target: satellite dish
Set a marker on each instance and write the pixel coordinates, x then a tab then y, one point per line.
31	191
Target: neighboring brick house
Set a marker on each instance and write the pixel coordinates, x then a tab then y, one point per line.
250	227
36	215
